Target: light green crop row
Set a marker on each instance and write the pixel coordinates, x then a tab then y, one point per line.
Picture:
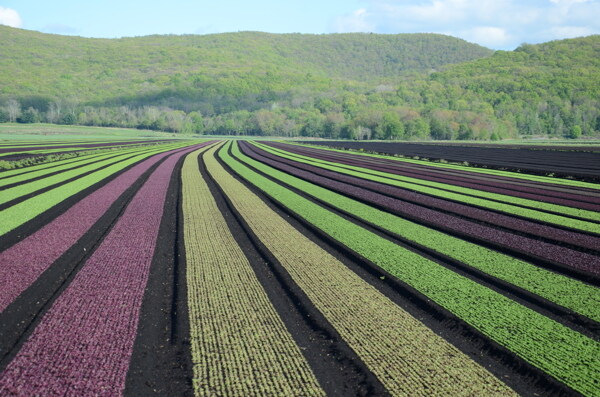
561	352
570	293
51	164
463	195
26	210
487	171
67	165
33	186
239	344
406	356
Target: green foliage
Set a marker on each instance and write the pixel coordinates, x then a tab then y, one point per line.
557	350
353	86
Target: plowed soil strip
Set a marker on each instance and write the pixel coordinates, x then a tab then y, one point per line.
240	346
83	344
533	202
544	182
557	350
535	161
407	357
533	249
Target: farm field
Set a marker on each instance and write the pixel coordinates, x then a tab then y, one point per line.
581	161
264	268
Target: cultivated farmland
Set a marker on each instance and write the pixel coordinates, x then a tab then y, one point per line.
240	268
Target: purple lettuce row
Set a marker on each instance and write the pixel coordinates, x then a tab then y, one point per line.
512	186
82	145
532	193
84	342
470	174
571	193
24	262
506	221
446	222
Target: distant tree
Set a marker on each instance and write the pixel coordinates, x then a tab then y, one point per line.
68	118
13	107
197	122
575	132
30	115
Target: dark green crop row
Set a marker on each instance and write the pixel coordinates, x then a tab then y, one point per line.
573	294
486	171
460	194
565	354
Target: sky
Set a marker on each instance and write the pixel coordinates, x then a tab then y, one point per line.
497	24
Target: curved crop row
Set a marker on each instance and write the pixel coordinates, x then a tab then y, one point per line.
567	355
446	244
478	182
394	180
407	357
573	294
23	189
83	343
24	262
68	165
239	344
18	214
6	174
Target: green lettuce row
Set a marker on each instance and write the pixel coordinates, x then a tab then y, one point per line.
415	185
567	355
486	171
26	210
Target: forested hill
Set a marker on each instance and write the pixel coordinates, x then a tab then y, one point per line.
100	69
356	86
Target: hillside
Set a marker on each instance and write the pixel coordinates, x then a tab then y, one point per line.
357	86
193	66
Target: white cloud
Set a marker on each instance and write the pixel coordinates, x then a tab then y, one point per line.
489	36
10	17
355	22
500	24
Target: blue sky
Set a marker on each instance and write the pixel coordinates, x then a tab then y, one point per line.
498	24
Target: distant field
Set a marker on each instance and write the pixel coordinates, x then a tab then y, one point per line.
14	131
576	160
248	268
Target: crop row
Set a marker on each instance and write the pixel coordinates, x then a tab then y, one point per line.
43	247
6	152
24	186
557	350
18	214
537	160
407	357
239	344
473	181
83	343
432	217
534	180
510	205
